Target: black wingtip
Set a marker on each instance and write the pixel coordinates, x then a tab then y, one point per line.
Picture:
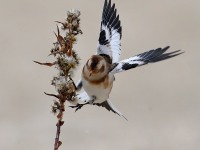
158	55
109	15
167	56
167	47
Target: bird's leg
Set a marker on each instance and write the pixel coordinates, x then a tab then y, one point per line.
79	106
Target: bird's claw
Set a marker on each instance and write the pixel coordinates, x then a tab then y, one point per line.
77	107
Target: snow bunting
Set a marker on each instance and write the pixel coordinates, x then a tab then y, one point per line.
98	72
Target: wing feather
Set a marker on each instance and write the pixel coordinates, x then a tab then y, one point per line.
110	33
151	56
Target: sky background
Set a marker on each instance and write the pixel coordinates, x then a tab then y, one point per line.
161	101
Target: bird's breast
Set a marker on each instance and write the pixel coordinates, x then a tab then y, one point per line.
100	88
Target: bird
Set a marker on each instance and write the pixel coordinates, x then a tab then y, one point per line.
98	73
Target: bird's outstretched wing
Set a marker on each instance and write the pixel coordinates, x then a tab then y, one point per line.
151	56
110	33
109	106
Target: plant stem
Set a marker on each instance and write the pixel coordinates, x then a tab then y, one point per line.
58	125
57	141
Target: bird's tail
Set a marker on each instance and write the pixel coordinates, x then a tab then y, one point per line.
110	107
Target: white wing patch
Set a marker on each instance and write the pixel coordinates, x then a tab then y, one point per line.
110	33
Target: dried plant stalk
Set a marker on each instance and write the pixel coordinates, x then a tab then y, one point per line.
66	61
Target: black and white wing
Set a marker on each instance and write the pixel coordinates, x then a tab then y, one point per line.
110	33
109	106
151	56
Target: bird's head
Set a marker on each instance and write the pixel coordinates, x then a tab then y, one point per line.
96	67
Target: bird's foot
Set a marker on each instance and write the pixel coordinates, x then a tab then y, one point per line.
77	107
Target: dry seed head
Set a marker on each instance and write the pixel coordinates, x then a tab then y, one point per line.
73	12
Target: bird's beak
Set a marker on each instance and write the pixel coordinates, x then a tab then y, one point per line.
91	72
